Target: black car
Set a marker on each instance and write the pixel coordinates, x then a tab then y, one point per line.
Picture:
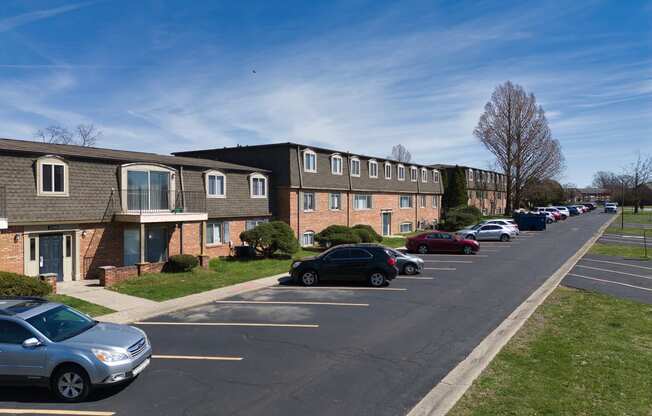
371	263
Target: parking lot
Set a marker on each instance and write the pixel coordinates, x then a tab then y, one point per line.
334	349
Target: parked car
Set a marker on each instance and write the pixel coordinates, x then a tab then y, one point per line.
556	215
486	232
406	263
554	211
573	210
441	242
371	263
49	343
564	212
611	208
507	223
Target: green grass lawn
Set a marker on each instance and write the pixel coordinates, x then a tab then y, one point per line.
643	217
579	354
615	229
394	242
620	250
81	305
222	272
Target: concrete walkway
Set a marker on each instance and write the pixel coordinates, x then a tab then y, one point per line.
91	291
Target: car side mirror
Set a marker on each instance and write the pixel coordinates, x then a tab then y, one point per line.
31	343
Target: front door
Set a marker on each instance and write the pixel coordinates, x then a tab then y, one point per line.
157	244
51	255
387	223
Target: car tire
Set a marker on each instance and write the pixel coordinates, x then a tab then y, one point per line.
309	278
548	221
70	384
470	237
377	279
467	250
410	269
504	238
422	249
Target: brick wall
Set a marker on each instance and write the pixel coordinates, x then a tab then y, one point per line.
11	253
222	250
101	246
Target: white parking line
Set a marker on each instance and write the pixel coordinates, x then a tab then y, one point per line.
229	324
459	255
449	261
620	264
630	243
439	268
264	302
54	412
416	278
610	282
335	288
196	357
614	271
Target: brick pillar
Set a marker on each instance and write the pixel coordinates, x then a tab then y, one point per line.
50	279
202	241
107	275
143	236
203	260
143	268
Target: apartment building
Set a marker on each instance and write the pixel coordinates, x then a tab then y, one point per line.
487	190
70	210
312	188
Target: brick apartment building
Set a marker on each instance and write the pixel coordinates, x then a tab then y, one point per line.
69	210
312	188
487	190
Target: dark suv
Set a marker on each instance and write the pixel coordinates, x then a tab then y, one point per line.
371	263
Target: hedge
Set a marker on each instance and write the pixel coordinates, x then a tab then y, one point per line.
12	284
271	237
182	263
334	235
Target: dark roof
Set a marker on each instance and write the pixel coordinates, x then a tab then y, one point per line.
292	144
25	146
446	166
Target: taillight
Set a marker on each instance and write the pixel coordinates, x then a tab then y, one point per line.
391	261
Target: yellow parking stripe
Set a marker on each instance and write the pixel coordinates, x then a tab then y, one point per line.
53	412
335	288
264	302
196	357
230	324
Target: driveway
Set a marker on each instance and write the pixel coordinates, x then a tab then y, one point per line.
348	350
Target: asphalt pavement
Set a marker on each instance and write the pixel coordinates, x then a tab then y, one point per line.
346	350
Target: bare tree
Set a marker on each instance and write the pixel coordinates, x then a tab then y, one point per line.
85	135
638	174
400	153
515	130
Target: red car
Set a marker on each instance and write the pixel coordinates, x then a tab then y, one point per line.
441	242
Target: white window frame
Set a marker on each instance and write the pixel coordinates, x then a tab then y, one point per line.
435	202
400	202
149	168
470	175
215	173
251	185
220	225
314	202
53	161
387	165
424	175
369	197
355	159
309	152
337	157
311	235
373	163
414	174
400	227
400	169
435	176
423	201
330	201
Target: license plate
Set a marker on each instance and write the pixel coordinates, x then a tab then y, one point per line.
140	368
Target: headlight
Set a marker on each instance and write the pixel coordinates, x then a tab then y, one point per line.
110	356
296	264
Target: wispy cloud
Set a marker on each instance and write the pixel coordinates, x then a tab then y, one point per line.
10	23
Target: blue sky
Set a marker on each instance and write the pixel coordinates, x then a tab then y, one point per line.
355	75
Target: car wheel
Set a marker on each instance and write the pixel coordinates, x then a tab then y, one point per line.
467	250
423	249
470	237
71	384
377	279
548	221
410	269
504	238
309	278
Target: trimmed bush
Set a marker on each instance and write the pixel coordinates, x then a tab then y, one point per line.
336	239
12	284
269	237
460	217
334	235
367	233
182	263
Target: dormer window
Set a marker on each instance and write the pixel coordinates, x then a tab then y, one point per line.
309	161
388	170
215	184
470	175
435	176
258	185
414	173
355	166
424	175
336	164
373	169
400	172
52	176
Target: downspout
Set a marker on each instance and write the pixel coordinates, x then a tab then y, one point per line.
416	201
183	203
348	193
299	190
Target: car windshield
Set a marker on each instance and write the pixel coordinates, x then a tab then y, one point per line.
61	323
475	227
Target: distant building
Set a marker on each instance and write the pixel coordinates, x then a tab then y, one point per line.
589	194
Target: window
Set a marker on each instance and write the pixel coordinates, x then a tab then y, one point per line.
435	176
336	165
335	201
215	184
251	224
358	253
258	186
388	171
147	188
355	166
362	201
413	173
405	201
405	227
32	249
308	238
400	172
13	333
309	203
434	201
309	161
424	175
52	176
217	232
340	254
423	201
68	252
373	169
470	175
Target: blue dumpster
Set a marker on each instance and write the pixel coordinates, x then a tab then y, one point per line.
530	221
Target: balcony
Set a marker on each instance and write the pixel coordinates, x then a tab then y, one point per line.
4	223
155	206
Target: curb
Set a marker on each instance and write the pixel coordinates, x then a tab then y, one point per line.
196	299
451	388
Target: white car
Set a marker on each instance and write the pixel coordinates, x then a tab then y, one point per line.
611	207
504	222
564	211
